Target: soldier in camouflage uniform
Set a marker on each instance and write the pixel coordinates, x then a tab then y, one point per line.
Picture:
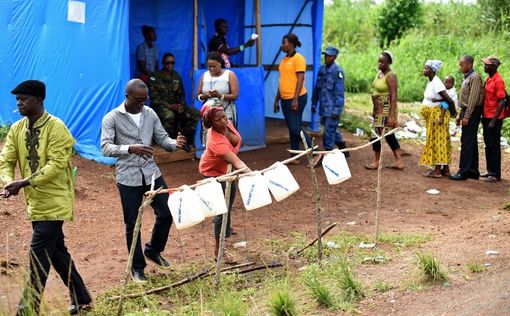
167	99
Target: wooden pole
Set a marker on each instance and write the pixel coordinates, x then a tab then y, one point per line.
258	29
330	227
223	231
195	34
147	201
316	195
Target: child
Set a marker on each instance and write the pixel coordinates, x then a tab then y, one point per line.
449	83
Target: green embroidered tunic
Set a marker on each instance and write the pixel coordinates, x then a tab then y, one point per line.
44	157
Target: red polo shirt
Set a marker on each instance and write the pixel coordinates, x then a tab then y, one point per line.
494	90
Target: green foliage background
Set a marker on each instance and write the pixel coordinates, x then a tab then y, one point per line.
446	32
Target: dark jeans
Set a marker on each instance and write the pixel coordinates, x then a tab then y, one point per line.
468	165
218	219
390	139
131	199
294	119
47	249
491	137
331	135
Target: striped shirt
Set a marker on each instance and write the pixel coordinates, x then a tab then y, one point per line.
471	93
119	131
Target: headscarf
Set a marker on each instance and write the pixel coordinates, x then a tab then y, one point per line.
390	55
435	65
208	111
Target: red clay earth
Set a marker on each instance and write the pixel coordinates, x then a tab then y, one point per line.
464	220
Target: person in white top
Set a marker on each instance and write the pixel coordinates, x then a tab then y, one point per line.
437	151
221	84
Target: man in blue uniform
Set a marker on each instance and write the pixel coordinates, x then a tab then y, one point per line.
329	92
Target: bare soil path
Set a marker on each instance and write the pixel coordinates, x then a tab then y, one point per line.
464	220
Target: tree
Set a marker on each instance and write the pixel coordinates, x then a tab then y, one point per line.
396	17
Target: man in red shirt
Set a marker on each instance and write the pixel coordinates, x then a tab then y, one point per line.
492	120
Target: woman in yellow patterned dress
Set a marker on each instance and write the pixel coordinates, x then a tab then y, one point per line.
384	99
437	151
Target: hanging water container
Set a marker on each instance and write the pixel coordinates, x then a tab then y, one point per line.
280	181
211	198
254	191
185	208
336	167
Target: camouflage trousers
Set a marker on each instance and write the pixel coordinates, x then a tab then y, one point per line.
185	122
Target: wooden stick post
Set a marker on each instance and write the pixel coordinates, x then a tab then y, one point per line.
223	231
147	201
258	29
316	195
378	190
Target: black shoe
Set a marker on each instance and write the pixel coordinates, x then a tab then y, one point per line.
341	145
75	309
159	261
138	276
485	175
458	176
473	176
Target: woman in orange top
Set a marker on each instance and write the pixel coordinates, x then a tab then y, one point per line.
291	90
223	142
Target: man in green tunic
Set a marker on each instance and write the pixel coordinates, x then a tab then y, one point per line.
42	146
167	99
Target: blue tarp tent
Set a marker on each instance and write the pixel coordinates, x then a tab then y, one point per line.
86	64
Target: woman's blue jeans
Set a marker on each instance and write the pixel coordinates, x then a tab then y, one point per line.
294	120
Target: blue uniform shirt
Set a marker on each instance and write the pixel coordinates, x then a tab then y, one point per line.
329	90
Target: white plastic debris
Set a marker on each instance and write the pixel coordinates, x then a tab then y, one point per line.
241	244
351	223
359	132
332	245
366	246
413	127
433	191
492	253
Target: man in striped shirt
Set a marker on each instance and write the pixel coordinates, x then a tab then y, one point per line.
471	103
127	133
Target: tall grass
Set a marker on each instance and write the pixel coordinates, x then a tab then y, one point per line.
430	268
449	31
281	303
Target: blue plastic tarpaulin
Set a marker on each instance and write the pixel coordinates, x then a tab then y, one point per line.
86	65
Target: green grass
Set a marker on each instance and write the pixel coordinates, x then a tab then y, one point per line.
430	268
281	303
352	289
382	286
4	130
476	267
404	240
330	284
506	206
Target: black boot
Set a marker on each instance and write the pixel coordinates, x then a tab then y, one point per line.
341	145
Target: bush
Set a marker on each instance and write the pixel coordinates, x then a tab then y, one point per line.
395	18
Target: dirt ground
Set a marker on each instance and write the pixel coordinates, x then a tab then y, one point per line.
465	220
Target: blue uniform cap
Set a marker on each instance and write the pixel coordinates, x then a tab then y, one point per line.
331	51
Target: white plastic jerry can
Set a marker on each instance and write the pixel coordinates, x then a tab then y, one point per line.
185	208
335	167
254	191
211	198
280	181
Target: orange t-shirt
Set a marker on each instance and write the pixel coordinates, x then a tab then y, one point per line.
288	68
211	162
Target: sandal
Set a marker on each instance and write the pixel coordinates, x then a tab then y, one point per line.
491	179
431	174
